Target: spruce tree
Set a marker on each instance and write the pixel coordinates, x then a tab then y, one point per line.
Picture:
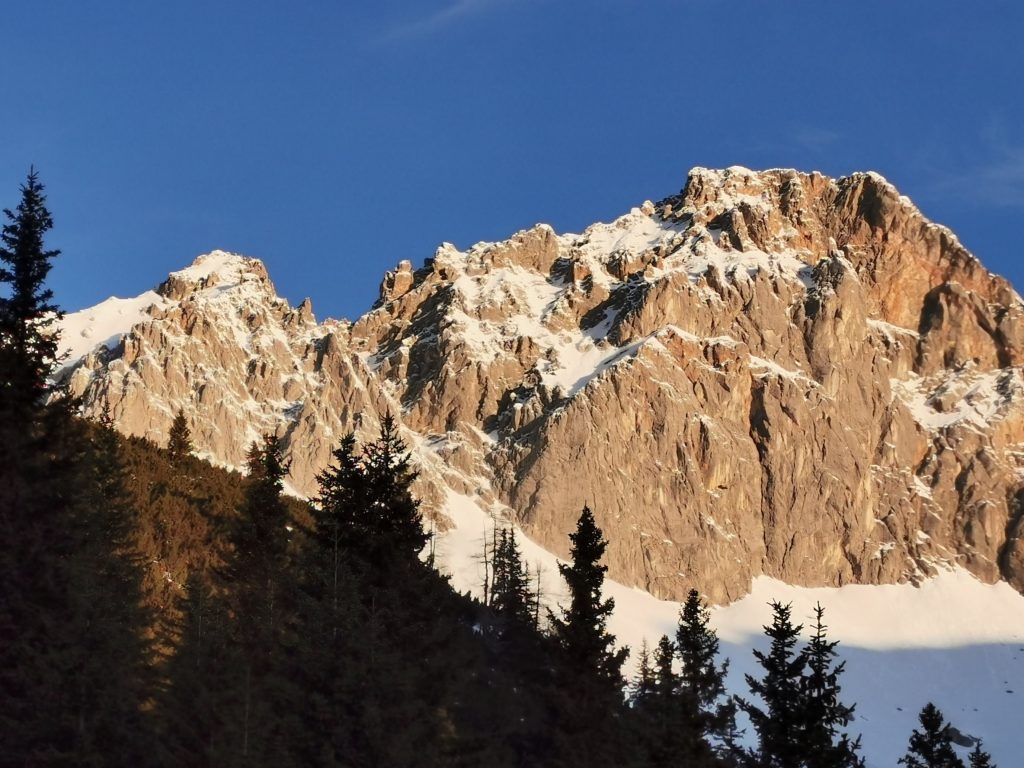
824	714
256	579
642	688
779	724
73	662
932	745
370	642
179	442
392	522
702	678
979	758
589	667
28	316
511	596
332	653
201	695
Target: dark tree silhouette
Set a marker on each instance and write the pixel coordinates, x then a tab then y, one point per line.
28	316
824	714
256	580
589	670
702	678
932	745
179	442
73	662
779	724
979	758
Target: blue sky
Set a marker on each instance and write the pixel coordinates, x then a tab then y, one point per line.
333	139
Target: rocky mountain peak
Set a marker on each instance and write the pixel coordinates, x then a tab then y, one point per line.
214	273
771	372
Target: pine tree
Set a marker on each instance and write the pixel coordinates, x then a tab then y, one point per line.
339	519
369	637
333	644
511	596
73	662
979	758
179	442
256	579
195	706
589	667
823	713
392	523
642	688
116	676
702	679
932	745
28	316
779	724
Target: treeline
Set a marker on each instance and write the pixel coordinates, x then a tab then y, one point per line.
156	611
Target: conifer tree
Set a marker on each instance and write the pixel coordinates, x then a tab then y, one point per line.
979	758
28	316
779	724
333	643
589	667
702	678
392	524
256	580
511	596
196	705
581	630
932	745
115	677
642	688
368	633
72	660
179	442
823	713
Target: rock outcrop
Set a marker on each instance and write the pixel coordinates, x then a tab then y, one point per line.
770	373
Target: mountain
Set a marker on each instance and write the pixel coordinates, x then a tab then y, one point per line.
770	373
769	385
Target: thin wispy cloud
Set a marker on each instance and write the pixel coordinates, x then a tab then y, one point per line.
997	179
816	139
440	19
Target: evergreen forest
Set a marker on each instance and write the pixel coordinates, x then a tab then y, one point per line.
158	611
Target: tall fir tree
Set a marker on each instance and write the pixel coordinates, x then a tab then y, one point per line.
979	758
511	596
702	678
824	715
256	579
179	441
195	705
391	515
589	668
642	687
932	745
28	315
73	661
331	658
369	636
666	729
779	724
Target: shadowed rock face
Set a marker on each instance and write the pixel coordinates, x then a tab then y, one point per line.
770	373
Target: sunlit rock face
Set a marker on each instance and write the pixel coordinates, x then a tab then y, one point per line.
769	373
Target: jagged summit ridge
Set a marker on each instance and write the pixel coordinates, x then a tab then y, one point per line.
768	373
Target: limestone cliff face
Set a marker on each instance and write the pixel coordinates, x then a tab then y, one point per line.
770	373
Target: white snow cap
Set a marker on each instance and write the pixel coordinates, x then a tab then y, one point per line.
227	267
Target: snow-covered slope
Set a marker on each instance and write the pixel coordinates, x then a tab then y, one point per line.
103	326
952	640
